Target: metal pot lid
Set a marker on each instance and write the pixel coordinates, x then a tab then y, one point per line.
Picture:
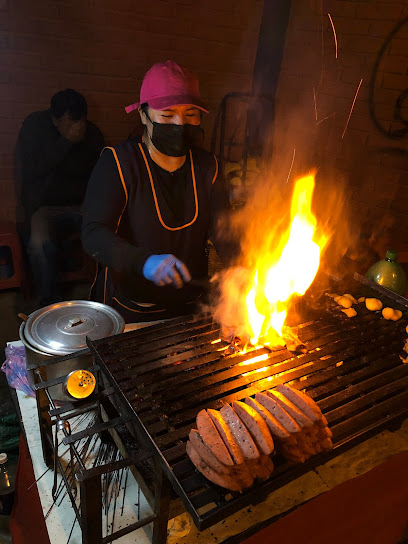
62	328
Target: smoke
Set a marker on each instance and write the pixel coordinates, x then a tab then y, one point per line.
261	228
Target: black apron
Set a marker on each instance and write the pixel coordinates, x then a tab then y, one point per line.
147	221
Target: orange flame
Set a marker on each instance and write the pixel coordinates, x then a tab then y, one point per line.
287	270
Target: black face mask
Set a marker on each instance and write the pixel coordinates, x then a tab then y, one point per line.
175	140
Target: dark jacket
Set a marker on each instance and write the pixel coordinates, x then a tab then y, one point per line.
51	170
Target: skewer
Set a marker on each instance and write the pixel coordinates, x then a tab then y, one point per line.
124	491
72	528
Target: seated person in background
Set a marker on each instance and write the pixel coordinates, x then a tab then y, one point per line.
56	152
152	202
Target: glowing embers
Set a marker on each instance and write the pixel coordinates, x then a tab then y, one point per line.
80	384
253	360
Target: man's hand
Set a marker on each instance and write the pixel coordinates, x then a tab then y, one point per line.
74	131
166	270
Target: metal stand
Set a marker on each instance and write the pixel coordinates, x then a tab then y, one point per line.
162	502
101	403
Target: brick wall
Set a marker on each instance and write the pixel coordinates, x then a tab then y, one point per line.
102	48
374	164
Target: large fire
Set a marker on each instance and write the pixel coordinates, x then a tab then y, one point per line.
281	272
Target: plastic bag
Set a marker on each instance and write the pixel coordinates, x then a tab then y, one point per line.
15	369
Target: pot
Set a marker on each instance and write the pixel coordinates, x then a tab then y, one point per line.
61	329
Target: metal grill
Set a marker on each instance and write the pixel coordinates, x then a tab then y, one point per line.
165	374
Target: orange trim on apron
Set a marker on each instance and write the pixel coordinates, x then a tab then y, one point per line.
122	179
156	203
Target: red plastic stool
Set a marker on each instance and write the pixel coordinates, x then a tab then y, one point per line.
9	238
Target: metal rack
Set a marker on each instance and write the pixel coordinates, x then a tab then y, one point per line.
56	419
165	374
153	382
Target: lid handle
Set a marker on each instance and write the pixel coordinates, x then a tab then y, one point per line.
75	322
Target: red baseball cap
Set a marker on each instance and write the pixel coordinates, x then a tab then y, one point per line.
168	84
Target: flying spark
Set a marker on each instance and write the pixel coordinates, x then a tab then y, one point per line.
291	166
334	32
352	107
324	119
315	103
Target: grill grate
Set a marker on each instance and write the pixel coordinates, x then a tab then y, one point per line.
168	372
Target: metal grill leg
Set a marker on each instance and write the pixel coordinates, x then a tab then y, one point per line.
161	502
91	510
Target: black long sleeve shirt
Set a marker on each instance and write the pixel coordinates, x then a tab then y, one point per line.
105	204
51	170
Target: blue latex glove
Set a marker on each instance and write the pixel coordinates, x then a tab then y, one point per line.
166	270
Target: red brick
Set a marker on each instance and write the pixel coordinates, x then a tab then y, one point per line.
6	160
342	8
33	77
8	142
83	82
34	44
378	140
6	110
80	48
356	60
64	64
6	21
119	68
385	11
398	47
357	138
22	8
26	94
353	76
398	128
6	177
116	21
385	96
394	159
394	64
5	40
363	44
87	47
385	111
395	81
381	28
20	111
345	26
306	22
69	13
20	60
359	122
106	100
5	75
123	84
